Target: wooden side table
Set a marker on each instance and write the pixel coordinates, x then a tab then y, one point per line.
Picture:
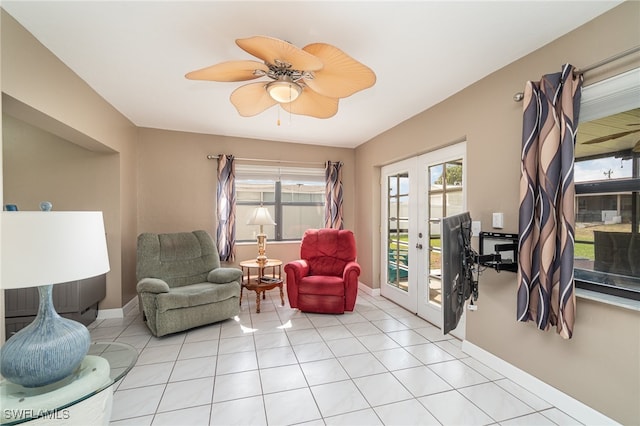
267	276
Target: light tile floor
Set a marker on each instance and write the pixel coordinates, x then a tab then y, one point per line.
379	365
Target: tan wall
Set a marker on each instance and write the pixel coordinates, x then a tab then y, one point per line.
40	90
599	366
177	183
40	166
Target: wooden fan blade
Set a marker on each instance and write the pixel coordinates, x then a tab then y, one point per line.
270	49
610	137
312	104
251	99
341	75
636	147
229	71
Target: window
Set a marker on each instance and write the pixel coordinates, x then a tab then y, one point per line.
294	196
607	177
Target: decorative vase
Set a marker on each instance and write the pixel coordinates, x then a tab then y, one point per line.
47	350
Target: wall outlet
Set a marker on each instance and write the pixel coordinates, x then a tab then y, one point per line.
498	220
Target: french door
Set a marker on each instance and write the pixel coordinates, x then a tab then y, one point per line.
400	261
416	194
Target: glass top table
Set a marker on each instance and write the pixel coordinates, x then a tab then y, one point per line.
105	364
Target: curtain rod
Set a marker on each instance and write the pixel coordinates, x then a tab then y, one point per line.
262	160
520	95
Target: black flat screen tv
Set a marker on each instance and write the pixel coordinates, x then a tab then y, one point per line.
457	268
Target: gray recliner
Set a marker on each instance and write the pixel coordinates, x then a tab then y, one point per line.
181	284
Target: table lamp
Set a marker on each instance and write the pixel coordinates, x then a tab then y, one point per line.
41	249
261	217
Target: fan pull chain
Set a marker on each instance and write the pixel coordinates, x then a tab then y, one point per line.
278	116
289	106
290	96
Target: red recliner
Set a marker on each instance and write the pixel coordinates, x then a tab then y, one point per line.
325	279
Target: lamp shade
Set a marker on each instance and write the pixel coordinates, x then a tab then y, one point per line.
40	248
260	216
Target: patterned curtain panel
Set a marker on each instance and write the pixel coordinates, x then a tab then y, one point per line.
226	232
547	196
333	194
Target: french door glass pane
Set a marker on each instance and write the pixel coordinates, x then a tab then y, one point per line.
435	291
393	186
434	235
454	174
403	218
435	177
436	207
445	199
404	184
454	203
398	227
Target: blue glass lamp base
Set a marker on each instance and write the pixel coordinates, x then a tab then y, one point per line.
47	350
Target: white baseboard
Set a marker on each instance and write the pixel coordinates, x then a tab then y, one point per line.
110	313
370	291
576	409
118	312
131	305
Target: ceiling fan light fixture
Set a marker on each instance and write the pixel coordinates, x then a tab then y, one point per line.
308	81
284	90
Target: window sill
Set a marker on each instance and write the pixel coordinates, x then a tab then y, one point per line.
608	299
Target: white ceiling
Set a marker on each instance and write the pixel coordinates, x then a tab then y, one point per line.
135	54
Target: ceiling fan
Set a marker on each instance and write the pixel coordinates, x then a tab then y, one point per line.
308	81
636	147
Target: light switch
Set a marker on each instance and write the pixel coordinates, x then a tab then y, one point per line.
498	220
476	228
